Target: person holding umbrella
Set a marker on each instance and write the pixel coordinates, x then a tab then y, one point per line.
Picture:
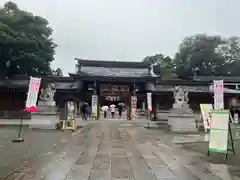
105	109
120	109
112	108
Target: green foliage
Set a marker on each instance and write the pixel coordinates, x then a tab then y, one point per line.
163	65
200	55
26	47
230	52
208	56
57	72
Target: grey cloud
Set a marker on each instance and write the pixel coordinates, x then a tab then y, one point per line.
130	29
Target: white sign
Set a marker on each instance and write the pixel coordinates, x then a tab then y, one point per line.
218	101
32	96
94	105
71	110
149	101
218	140
134	106
218	88
206	110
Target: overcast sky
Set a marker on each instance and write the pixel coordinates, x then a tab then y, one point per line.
129	30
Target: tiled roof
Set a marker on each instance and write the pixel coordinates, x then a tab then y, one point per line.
68	85
168	88
211	78
114	72
14	83
120	64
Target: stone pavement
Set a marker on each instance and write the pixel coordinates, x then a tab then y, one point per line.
37	142
121	150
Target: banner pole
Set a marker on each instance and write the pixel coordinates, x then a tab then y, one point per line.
19	138
148	119
31	104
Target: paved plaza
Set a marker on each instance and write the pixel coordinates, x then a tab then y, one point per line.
37	144
123	150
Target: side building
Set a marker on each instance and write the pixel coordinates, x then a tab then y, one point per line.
112	82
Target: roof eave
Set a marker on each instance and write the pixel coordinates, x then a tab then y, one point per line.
104	78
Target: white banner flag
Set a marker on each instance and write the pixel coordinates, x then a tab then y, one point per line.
33	89
134	105
218	87
149	101
94	105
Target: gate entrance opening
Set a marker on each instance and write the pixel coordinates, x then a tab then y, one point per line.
117	95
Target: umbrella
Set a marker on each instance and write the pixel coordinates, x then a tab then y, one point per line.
112	105
121	104
104	108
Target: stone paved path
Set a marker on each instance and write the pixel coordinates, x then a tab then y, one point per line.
37	143
113	150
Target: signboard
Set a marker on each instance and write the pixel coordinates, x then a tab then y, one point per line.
71	110
32	96
94	105
112	98
218	140
134	105
109	89
149	102
206	109
218	88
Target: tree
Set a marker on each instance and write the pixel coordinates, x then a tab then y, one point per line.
197	55
163	65
208	56
230	51
57	72
26	46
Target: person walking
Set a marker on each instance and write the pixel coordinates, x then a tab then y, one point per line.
105	109
89	112
112	108
120	109
84	110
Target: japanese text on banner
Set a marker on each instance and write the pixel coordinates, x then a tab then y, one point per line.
218	94
149	101
32	95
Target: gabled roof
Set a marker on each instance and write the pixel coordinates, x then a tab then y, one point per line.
112	78
68	85
112	69
114	72
119	64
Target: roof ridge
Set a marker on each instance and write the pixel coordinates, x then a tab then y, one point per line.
122	64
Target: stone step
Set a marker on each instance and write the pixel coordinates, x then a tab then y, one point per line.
178	124
43	121
182	123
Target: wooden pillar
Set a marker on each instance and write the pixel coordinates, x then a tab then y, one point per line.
129	111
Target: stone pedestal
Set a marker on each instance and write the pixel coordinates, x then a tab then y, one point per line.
45	117
46	108
181	119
